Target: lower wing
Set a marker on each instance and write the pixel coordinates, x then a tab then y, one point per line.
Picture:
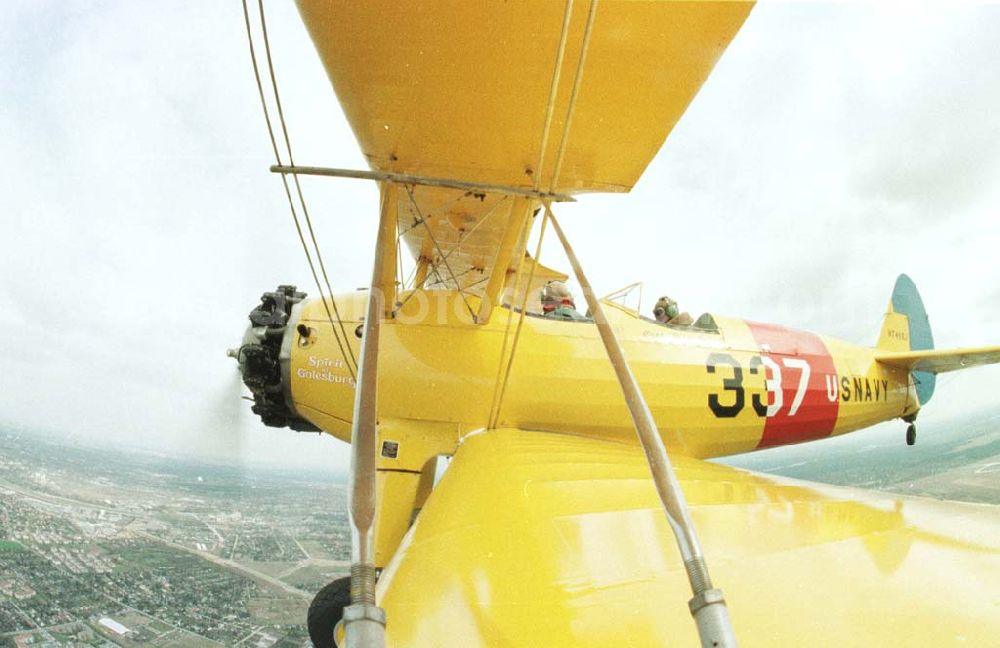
935	361
542	539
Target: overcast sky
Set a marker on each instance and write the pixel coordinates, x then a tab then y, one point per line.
833	147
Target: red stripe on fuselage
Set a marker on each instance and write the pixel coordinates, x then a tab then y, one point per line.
805	412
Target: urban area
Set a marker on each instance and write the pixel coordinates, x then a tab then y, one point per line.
105	547
102	548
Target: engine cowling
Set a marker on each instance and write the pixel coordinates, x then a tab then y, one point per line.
265	355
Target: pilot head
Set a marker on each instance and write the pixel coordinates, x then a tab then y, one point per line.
665	309
555	294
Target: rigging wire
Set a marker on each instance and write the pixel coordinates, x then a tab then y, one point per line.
520	321
411	278
495	412
570	108
477	282
523	244
433	212
409	192
416	287
420	220
465	235
436	212
399	263
553	91
298	189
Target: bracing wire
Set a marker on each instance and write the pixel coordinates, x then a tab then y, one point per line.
288	191
298	189
421	220
409	192
500	388
399	262
298	186
433	212
520	322
570	108
465	235
553	91
522	248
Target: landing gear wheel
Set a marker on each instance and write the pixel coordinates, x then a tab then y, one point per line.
911	434
326	610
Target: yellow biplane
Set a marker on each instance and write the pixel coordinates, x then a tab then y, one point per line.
590	520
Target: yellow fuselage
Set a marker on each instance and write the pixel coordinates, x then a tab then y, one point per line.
742	387
736	387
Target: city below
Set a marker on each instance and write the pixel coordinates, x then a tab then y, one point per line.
102	547
106	547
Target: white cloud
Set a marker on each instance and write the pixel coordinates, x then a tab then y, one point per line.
834	147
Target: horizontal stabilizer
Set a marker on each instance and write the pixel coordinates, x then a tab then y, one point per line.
939	361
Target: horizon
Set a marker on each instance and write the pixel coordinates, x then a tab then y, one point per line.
833	147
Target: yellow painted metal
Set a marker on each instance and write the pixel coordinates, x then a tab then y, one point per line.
501	265
405	450
940	360
458	89
564	545
895	334
420	276
426	485
852	360
461	90
438	371
397	498
437	368
402	494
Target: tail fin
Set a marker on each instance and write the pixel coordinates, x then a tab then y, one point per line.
906	328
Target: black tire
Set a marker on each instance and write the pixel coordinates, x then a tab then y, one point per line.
911	434
326	610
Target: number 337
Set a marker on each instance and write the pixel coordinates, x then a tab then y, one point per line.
737	400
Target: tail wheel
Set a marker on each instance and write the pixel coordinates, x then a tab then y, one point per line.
911	434
326	610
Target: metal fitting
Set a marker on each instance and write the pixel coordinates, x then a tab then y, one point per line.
363	578
362	612
704	599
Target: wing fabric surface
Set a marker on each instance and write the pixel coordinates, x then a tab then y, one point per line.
543	539
939	361
460	90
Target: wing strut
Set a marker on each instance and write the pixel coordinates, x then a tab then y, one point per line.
406	179
364	621
708	607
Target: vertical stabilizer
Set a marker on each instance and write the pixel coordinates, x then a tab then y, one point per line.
907	328
895	335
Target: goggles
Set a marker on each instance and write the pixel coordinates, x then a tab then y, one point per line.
670	310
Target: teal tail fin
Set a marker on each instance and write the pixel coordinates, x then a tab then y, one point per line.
907	328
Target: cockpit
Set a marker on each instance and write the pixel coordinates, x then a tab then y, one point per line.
628	299
665	311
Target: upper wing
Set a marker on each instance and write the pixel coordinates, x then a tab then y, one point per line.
459	89
543	539
939	361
